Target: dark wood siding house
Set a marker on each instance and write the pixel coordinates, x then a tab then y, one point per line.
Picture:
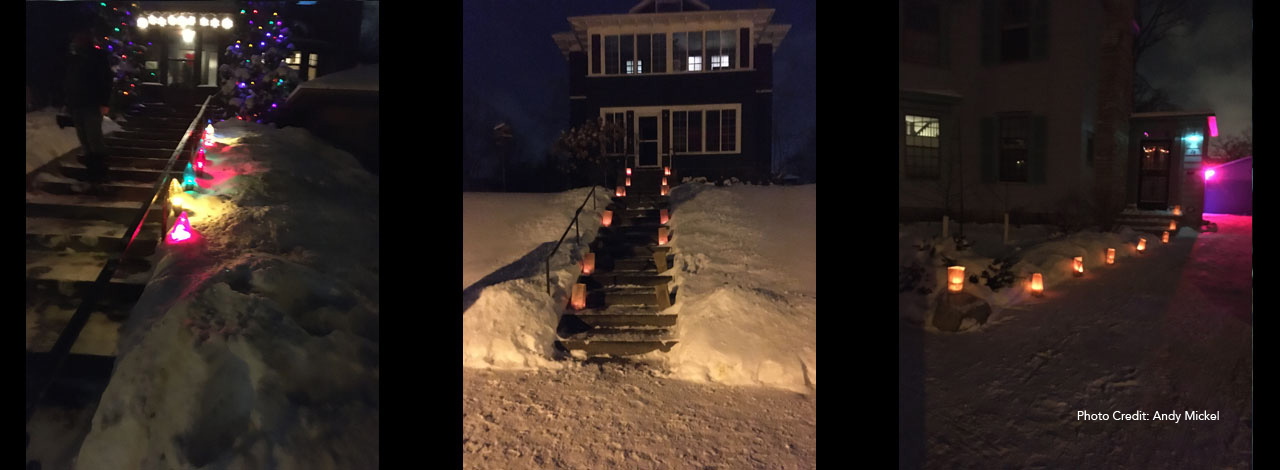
691	85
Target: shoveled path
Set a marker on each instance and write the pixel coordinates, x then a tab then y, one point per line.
1169	331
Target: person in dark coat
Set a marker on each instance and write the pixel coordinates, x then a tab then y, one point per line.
88	95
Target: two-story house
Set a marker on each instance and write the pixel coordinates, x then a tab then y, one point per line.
1024	107
691	86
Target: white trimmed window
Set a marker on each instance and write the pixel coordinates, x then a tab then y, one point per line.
695	64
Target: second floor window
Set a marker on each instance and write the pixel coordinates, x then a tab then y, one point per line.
635	54
921	31
1015	30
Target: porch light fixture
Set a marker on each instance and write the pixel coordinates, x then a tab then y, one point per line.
1164	238
579	299
1037	285
1078	266
955	278
606	218
588	263
1142	245
1111	256
188	35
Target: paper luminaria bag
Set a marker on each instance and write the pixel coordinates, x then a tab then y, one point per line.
181	230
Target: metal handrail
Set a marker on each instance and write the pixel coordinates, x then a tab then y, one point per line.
62	348
577	233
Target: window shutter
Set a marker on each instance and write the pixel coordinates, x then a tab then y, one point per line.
1039	29
989	150
631	132
744	48
666	132
944	39
595	53
1038	158
990	33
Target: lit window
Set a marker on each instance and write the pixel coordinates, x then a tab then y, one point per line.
695	63
922	156
719	62
635	66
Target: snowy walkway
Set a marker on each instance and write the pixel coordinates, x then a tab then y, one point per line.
616	416
1169	331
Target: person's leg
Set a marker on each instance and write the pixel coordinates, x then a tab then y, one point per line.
97	151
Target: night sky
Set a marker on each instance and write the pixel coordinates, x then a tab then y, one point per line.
1210	64
513	71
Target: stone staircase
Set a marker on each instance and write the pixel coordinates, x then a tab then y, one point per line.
1153	221
625	295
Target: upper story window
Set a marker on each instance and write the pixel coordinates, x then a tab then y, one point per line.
921	31
697	51
1015	30
635	54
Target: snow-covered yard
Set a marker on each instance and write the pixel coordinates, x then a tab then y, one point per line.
256	342
738	391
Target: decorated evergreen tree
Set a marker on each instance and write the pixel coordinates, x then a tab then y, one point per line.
254	79
116	21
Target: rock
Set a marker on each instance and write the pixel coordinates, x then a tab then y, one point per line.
953	309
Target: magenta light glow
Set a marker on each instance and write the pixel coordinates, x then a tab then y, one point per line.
1209	174
181	230
1213	126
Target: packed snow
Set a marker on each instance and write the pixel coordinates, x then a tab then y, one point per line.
1170	330
360	78
255	343
46	142
1038	249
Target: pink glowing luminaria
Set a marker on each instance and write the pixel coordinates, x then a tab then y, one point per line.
1209	174
1213	126
181	230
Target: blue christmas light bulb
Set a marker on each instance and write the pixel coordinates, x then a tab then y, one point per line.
188	178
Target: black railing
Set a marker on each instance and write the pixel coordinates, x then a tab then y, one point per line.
576	231
70	333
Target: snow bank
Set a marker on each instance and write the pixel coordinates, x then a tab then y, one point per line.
362	78
745	273
46	142
508	320
1038	249
256	343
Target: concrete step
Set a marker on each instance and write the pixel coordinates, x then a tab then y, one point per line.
77	170
635	296
624	317
616	279
603	248
639	236
47	320
124	190
637	264
86	207
113	140
70	274
619	341
139	152
165	136
55	234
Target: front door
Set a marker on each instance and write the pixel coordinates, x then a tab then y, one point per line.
1153	175
647	141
